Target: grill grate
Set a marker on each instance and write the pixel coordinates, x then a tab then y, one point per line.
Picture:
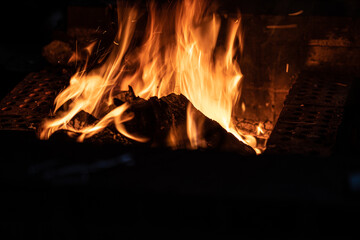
311	116
30	101
308	123
319	89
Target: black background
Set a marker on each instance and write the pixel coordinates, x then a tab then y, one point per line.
318	200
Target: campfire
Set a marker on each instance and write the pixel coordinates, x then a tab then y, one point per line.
180	115
178	88
190	75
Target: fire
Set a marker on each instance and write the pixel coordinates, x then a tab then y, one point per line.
259	129
182	53
193	127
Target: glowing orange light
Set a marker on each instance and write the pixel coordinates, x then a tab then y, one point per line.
180	55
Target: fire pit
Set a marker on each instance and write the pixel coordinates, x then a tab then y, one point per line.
189	60
209	104
206	83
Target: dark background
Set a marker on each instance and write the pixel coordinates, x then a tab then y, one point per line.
315	199
26	26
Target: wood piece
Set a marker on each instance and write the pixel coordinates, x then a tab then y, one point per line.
154	119
57	52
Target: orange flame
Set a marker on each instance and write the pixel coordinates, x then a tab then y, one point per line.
194	125
92	91
181	53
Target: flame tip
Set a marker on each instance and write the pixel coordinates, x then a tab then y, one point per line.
182	56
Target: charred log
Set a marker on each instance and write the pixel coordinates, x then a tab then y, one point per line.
155	118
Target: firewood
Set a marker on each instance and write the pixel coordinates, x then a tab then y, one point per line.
154	118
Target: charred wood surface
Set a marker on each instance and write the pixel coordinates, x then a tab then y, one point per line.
155	117
30	103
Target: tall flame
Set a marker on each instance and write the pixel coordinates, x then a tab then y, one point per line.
181	53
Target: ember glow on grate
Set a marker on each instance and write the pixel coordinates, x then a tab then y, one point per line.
180	54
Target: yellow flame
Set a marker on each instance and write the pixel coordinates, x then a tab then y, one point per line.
92	91
194	126
180	54
259	129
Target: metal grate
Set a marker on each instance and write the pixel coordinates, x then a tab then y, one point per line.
319	89
311	116
30	101
308	123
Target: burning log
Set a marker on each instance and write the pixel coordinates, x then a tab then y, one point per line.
156	117
192	64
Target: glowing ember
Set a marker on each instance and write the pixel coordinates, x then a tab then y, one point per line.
180	54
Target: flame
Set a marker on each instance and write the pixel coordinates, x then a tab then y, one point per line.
194	125
259	129
92	91
182	53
